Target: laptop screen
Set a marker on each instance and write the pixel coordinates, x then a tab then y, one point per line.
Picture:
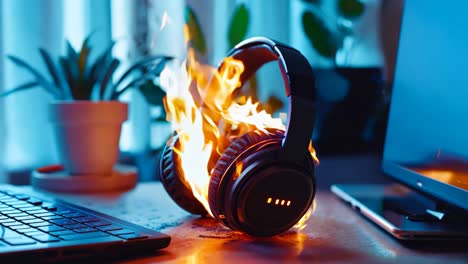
427	136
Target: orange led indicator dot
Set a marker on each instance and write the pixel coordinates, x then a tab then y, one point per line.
269	200
288	203
282	202
277	201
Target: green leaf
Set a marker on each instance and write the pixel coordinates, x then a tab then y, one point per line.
139	65
96	72
21	87
239	25
71	53
58	78
50	66
320	36
93	71
158	67
67	72
85	51
153	93
86	40
350	9
71	61
197	39
49	87
83	58
105	93
137	82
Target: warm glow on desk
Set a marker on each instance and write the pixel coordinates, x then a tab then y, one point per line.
457	178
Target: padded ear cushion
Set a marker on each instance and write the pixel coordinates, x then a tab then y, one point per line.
172	179
232	152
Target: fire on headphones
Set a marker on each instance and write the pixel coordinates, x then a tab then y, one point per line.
276	185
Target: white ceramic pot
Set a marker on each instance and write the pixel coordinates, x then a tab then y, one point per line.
88	134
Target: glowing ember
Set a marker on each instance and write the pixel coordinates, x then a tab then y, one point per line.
301	224
238	172
205	111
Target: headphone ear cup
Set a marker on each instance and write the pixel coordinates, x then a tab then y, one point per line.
229	156
172	178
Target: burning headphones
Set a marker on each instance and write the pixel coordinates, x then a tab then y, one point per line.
276	184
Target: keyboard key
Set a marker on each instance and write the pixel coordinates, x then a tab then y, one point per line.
99	223
34	201
18	227
45	238
74	215
15	223
22	196
61	233
19	241
63	221
30	209
8	233
33	220
51	217
50	228
132	236
121	232
75	226
36	233
28	217
49	206
18	215
86	219
27	208
83	236
44	214
12	211
7	199
109	228
14	202
26	230
85	230
37	211
38	224
20	204
61	211
7	220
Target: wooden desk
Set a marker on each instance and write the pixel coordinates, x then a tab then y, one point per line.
334	233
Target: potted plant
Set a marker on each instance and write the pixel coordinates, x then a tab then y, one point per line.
86	114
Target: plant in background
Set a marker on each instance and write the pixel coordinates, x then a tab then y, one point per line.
332	39
75	77
87	92
237	31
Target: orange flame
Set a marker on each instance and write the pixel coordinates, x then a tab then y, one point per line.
302	223
203	107
238	172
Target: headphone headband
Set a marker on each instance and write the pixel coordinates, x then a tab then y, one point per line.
299	82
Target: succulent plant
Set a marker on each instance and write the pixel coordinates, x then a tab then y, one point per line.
75	77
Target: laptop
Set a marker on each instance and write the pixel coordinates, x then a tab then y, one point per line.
34	228
426	146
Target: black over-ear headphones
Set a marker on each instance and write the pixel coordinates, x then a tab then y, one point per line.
276	186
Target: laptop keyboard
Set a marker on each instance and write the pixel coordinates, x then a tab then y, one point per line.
25	220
